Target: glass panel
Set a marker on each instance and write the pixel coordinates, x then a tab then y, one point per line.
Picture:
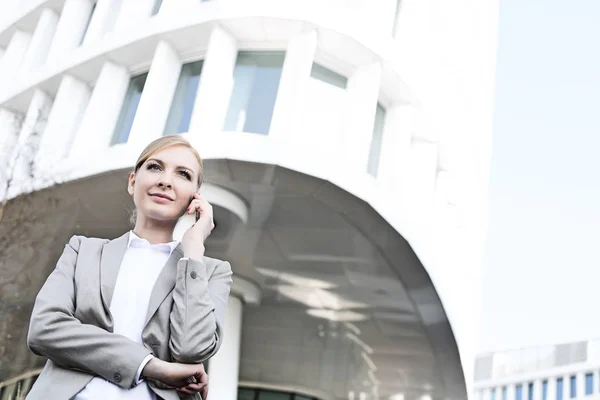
87	25
559	389
156	9
519	392
255	84
545	390
130	105
373	163
246	394
573	386
271	395
328	76
504	394
530	391
589	384
184	99
493	394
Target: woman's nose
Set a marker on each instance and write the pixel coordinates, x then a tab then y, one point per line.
164	181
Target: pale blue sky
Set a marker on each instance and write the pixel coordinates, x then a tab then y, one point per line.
542	268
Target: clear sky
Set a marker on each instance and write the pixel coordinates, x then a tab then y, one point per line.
542	267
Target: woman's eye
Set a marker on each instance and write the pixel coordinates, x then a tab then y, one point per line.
153	166
186	174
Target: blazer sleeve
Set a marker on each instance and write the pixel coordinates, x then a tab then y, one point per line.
55	332
199	308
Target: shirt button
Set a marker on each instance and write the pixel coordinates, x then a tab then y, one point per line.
193	275
118	377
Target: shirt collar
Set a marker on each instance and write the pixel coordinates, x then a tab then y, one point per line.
136	241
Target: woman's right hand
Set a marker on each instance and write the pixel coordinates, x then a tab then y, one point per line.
176	375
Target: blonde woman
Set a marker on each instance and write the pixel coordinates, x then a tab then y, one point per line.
136	317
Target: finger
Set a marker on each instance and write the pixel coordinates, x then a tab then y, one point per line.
195	387
185	390
204	393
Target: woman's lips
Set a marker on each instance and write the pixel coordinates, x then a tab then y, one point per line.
161	198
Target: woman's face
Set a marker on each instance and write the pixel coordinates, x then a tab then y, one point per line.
163	186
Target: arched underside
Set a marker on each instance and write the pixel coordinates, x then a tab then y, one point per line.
347	308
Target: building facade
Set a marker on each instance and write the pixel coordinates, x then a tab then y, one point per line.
347	150
560	372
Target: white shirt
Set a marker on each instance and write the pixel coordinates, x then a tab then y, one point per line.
141	266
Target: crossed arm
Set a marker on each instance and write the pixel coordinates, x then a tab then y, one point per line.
55	332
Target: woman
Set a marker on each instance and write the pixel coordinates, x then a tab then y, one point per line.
135	317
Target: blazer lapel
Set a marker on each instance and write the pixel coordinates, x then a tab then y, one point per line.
165	283
112	256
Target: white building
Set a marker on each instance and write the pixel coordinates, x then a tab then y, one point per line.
560	372
347	146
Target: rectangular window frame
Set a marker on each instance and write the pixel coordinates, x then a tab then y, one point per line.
119	134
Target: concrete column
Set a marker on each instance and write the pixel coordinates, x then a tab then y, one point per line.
580	384
537	390
104	19
155	103
71	26
69	105
510	391
40	41
295	77
551	388
13	57
214	90
363	92
133	12
101	115
31	130
395	146
225	365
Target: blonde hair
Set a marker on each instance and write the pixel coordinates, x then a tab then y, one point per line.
164	142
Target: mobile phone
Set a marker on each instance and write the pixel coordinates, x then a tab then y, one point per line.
185	222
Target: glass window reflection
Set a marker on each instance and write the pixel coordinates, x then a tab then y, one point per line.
559	389
255	85
184	99
129	109
376	139
545	390
519	392
589	383
573	386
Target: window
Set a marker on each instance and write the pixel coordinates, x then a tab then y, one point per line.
519	392
504	394
156	8
589	383
530	391
559	389
493	394
130	105
325	75
373	163
184	99
255	84
396	17
545	390
87	25
573	386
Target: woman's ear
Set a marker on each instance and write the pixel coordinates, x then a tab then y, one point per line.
131	183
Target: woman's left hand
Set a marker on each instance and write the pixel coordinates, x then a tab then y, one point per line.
200	386
193	239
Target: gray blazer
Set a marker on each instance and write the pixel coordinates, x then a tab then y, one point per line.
72	326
